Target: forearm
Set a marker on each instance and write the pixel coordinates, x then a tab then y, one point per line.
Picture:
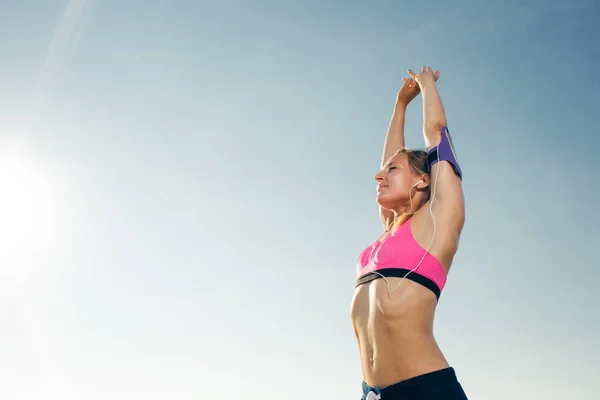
434	117
394	139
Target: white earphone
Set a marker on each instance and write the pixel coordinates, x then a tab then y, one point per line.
421	181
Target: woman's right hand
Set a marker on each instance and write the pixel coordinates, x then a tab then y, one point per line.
409	90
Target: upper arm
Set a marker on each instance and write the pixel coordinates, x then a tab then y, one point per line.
447	193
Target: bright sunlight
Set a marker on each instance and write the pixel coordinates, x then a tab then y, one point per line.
28	207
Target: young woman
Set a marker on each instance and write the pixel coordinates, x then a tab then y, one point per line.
401	275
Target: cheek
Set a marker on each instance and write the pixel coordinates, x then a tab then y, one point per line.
397	181
399	187
393	191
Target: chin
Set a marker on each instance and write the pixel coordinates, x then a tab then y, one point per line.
385	202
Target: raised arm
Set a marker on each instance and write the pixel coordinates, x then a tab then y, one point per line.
394	139
446	187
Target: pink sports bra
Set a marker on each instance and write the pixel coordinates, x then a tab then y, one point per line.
396	255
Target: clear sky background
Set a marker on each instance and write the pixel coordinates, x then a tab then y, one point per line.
186	186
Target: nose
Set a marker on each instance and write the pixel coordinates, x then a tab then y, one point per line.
379	177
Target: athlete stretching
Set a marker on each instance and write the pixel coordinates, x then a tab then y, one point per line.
401	275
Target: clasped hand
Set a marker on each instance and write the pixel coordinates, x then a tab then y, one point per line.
412	86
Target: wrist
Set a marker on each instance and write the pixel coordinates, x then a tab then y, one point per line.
427	86
401	104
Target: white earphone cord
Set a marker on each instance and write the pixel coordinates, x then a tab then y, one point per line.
434	228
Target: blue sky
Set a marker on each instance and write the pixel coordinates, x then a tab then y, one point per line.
186	186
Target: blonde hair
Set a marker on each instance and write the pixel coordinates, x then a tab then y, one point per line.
417	160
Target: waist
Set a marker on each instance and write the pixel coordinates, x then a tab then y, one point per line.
395	332
389	357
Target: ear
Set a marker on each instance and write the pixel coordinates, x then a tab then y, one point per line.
426	181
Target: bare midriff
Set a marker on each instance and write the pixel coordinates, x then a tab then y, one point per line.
395	331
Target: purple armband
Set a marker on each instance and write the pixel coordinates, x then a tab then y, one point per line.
444	151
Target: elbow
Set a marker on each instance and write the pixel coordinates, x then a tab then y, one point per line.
434	128
433	133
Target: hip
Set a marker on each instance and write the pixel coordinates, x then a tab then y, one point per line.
441	384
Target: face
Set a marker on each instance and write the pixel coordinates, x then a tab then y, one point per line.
395	181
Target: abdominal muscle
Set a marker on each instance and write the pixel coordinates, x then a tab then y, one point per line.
395	331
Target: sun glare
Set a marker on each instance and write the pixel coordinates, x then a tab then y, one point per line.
27	211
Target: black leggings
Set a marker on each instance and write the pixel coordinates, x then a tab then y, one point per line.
437	385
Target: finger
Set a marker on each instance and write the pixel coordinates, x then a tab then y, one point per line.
436	74
412	74
423	69
429	69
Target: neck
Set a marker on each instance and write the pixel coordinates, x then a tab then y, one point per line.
418	200
407	209
398	211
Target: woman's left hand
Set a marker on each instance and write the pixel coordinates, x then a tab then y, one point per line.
427	76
